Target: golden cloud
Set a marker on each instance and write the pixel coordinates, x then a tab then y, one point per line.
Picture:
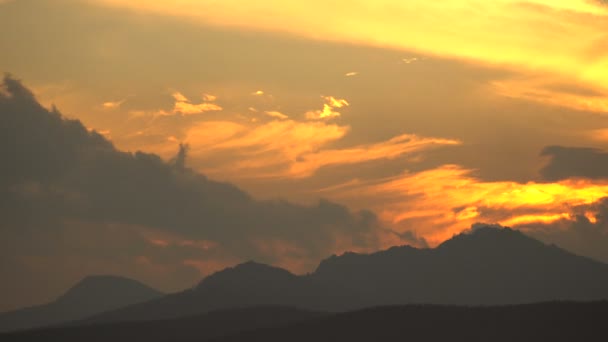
447	200
287	148
277	115
183	106
398	146
329	109
542	90
113	104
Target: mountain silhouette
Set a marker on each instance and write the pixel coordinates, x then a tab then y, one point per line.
246	285
92	295
488	266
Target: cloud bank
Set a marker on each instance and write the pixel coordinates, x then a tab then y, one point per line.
574	162
69	198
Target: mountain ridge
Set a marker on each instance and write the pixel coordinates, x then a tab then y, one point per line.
486	266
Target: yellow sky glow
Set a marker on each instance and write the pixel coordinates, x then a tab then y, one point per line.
563	37
289	149
448	199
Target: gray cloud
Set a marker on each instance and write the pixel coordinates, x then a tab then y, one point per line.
578	234
413	239
569	162
59	176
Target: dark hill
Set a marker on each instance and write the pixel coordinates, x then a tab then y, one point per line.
90	296
191	328
556	321
525	323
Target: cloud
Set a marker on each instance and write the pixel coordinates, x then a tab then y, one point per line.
544	90
113	104
183	106
276	115
60	176
308	164
263	150
474	31
444	201
574	162
209	98
413	239
351	74
584	231
600	2
410	60
290	149
138	188
329	109
296	76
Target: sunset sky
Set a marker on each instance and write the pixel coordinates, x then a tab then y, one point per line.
408	120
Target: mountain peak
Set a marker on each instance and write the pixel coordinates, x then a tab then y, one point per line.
249	272
96	286
103	278
351	260
490	236
91	295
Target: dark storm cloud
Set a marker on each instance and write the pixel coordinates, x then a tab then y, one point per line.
573	162
66	194
50	157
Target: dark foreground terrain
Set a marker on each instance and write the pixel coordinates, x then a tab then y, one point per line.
558	321
192	328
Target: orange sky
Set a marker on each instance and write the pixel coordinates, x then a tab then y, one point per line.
431	114
566	38
548	43
555	46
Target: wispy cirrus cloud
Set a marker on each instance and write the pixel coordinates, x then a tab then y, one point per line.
393	148
287	148
552	92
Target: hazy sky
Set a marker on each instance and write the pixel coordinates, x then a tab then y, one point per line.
419	118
